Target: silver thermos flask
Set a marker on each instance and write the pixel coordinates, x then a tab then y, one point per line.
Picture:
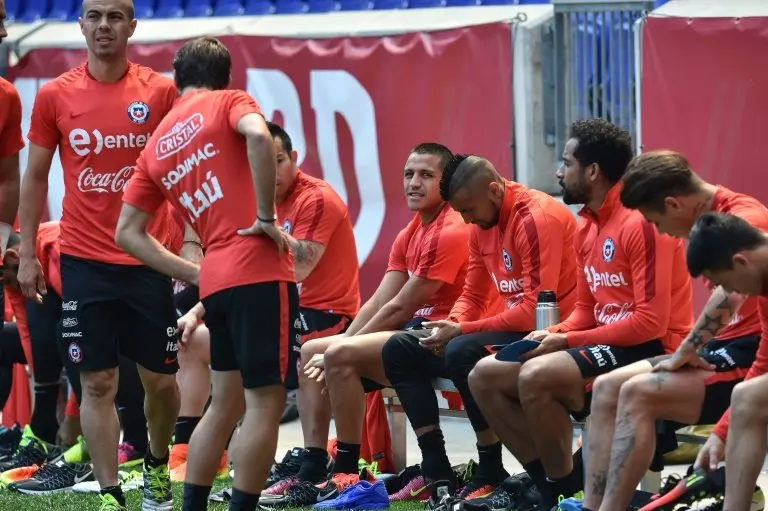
547	311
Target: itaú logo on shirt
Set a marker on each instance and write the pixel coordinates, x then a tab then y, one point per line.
597	279
104	182
83	142
179	137
608	313
507	285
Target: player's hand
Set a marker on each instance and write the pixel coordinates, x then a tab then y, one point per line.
187	324
537	335
315	368
68	432
686	356
31	279
442	333
550	343
711	453
260	228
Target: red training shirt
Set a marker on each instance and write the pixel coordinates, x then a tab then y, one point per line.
11	140
199	163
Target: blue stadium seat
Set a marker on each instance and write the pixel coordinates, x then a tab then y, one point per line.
169	9
228	8
524	2
389	4
322	5
258	7
461	3
34	10
144	8
198	9
60	10
12	8
422	4
290	7
498	2
76	11
355	5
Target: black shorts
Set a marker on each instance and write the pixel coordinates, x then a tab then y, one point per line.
414	325
316	324
254	329
112	309
594	361
732	359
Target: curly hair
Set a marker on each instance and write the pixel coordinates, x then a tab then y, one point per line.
603	143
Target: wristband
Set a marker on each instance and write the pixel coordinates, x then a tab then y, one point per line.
5	233
266	221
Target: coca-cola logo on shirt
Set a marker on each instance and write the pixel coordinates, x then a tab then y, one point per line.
104	182
179	137
612	312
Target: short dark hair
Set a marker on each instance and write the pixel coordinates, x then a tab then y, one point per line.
203	62
277	131
434	149
462	170
715	238
653	176
604	143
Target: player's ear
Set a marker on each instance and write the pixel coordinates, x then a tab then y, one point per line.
294	157
671	203
133	27
739	259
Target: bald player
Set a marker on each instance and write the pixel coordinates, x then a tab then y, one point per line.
99	115
523	239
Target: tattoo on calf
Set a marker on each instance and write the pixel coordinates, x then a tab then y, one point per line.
623	445
598	485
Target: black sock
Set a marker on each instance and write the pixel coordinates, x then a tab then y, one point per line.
490	465
135	428
347	456
314	465
44	424
151	461
242	501
195	497
536	470
116	492
435	465
565	486
182	432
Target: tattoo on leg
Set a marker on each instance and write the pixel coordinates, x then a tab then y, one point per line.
598	485
659	379
623	445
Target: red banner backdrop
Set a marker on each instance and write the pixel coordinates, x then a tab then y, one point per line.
704	94
354	107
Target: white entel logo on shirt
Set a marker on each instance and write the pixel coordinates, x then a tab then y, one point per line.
80	141
597	279
508	285
180	136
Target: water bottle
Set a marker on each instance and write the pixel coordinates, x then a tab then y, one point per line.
547	311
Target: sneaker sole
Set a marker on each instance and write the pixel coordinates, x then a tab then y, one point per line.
44	492
148	505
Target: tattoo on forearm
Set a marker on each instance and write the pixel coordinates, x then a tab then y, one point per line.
623	445
709	323
305	251
598	485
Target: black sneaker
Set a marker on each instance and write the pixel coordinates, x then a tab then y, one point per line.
287	468
481	485
224	495
698	485
441	498
9	441
506	494
32	451
300	495
54	477
402	478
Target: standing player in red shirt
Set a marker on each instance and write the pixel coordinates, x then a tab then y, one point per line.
211	144
661	185
633	302
730	252
523	239
100	115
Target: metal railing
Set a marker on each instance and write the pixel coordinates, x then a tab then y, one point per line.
594	63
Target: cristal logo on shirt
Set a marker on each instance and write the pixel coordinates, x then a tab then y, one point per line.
180	136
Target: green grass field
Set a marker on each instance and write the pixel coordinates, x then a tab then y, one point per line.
68	501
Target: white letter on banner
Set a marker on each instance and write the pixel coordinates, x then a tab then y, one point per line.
339	92
28	88
275	92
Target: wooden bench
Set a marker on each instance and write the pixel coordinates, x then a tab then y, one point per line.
398	423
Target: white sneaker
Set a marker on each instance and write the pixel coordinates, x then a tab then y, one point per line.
127	480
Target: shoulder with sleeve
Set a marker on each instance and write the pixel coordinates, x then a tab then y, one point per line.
7	90
753	211
317	189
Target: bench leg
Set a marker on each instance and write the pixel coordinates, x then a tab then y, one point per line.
397	425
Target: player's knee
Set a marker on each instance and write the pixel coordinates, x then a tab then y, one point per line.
639	393
461	355
312	348
99	385
605	392
163	386
339	356
481	378
535	378
748	401
397	358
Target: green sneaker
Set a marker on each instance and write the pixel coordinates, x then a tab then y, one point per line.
78	453
157	489
110	503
